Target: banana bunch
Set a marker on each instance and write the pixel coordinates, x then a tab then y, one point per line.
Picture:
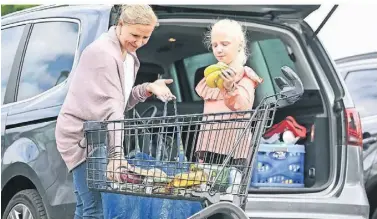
212	75
189	179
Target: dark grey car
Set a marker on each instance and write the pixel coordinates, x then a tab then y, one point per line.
41	46
360	75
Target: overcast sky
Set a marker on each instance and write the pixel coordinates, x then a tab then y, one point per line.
351	30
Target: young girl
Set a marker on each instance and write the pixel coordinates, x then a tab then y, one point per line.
228	43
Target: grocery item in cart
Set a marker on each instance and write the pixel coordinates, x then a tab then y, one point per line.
229	178
129	177
126	187
189	179
146	161
152	172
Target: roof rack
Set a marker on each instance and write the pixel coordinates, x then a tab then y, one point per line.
33	9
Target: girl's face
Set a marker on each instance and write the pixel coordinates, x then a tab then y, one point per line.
225	46
134	36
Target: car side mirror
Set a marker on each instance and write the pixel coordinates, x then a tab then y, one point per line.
291	89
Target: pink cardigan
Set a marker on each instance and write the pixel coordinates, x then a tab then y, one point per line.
96	93
216	101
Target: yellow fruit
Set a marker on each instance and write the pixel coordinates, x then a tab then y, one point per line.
212	78
189	179
210	69
215	67
222	65
220	83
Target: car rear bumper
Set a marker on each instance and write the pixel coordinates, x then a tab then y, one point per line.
306	208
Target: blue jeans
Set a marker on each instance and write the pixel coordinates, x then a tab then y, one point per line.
89	202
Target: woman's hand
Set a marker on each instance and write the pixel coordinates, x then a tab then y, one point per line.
229	77
160	89
113	168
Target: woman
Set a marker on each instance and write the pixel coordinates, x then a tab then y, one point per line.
101	88
228	43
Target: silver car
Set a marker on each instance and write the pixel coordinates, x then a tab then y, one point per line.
360	75
43	44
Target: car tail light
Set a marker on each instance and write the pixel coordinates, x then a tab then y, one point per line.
354	132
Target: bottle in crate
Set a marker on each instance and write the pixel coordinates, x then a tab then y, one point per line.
279	165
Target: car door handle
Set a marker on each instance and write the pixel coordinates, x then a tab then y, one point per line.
370	140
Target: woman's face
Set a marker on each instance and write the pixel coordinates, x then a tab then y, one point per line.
225	46
134	36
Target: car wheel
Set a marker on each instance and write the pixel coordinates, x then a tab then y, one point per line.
26	204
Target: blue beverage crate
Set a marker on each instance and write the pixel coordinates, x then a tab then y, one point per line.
279	165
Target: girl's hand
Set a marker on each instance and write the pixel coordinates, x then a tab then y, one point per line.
160	89
229	77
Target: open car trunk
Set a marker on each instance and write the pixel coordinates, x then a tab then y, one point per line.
176	51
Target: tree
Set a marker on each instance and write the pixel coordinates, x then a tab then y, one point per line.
7	9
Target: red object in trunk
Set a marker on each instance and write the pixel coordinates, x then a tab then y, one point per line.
289	123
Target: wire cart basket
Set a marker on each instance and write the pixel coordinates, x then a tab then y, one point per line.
205	157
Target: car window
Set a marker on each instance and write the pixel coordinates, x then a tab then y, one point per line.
194	67
148	72
362	87
276	56
49	57
10	38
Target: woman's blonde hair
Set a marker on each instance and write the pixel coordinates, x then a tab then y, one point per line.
138	14
234	28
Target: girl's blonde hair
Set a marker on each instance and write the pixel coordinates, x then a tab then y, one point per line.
138	14
232	27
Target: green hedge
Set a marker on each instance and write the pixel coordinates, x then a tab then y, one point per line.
7	9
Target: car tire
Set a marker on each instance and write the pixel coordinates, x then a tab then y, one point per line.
26	201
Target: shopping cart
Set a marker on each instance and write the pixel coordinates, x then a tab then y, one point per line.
203	157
